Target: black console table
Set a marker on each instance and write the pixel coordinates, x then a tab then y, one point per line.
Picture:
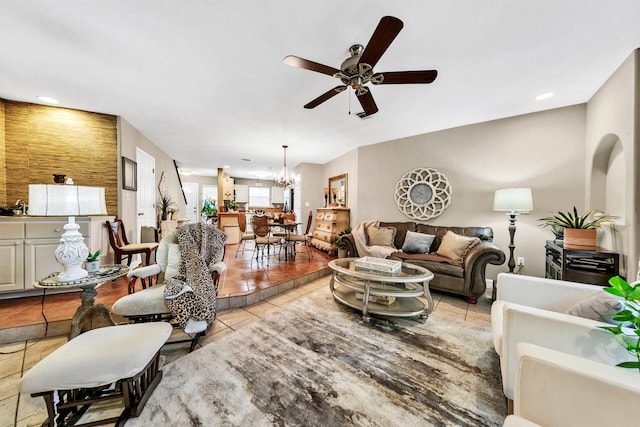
580	265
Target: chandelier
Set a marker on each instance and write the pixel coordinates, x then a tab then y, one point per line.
284	180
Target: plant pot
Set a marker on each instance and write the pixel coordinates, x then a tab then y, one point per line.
342	253
92	266
578	238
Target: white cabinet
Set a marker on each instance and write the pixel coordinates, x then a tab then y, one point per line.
11	256
277	195
28	244
242	193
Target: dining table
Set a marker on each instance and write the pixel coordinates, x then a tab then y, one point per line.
288	226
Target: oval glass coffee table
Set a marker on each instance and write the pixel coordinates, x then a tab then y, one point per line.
380	293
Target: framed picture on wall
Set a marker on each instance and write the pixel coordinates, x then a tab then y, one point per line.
129	174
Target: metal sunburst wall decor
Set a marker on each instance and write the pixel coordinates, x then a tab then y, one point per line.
423	193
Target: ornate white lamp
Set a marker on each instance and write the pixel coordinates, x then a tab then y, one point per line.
514	201
68	200
284	180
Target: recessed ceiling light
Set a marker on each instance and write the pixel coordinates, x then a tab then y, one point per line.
185	172
226	166
544	96
48	100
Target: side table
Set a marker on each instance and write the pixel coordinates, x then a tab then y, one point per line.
88	309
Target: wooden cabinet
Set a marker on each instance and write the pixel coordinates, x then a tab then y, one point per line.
579	265
329	222
242	193
277	195
27	248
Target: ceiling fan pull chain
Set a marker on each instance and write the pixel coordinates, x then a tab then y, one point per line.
349	102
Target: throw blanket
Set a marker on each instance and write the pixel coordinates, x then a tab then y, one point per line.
360	238
191	293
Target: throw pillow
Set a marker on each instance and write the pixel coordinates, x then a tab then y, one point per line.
455	246
381	236
417	243
173	261
598	306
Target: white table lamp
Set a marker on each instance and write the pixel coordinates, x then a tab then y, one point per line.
514	201
68	200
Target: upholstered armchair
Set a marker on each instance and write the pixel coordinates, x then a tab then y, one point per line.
534	310
149	304
555	389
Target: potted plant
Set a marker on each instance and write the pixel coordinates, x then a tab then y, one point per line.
342	250
209	208
165	203
628	330
577	230
232	206
92	264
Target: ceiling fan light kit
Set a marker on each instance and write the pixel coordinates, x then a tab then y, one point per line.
357	70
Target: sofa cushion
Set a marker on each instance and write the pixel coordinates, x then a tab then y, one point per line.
483	233
381	236
417	243
455	246
401	230
597	307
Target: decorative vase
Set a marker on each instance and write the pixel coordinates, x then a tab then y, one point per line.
92	266
580	238
58	178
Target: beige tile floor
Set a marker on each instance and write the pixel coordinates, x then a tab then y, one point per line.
15	359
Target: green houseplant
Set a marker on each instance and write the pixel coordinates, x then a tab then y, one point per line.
92	264
628	331
342	250
209	208
560	222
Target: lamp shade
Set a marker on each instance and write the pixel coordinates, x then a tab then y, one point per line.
513	200
66	200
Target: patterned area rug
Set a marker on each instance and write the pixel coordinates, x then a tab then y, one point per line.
316	363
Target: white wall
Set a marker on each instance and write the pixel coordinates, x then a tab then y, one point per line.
128	139
612	155
544	151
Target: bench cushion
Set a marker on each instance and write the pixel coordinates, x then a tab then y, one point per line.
97	357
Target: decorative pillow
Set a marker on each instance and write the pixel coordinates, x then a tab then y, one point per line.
417	243
598	306
173	261
455	246
381	236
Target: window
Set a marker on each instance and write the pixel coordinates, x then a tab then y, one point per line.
259	196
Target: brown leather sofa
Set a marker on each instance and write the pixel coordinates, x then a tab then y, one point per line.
465	278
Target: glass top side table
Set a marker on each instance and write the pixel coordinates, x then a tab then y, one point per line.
88	309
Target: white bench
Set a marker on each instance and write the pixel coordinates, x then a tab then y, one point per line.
114	362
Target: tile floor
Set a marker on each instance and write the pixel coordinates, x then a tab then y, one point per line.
17	357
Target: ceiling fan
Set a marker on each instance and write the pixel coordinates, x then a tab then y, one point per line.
357	70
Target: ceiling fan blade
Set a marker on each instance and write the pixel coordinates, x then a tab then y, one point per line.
368	104
294	61
405	77
325	96
384	34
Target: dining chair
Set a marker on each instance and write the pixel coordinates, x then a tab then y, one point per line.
121	246
244	235
263	237
302	238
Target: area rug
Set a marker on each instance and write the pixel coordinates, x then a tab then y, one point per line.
317	363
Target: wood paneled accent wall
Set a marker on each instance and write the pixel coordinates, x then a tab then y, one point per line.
40	141
3	171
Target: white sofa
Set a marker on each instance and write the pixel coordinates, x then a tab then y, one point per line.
532	310
555	389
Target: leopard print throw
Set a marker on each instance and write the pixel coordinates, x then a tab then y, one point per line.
191	293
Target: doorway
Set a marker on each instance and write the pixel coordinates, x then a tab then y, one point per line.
193	206
146	194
